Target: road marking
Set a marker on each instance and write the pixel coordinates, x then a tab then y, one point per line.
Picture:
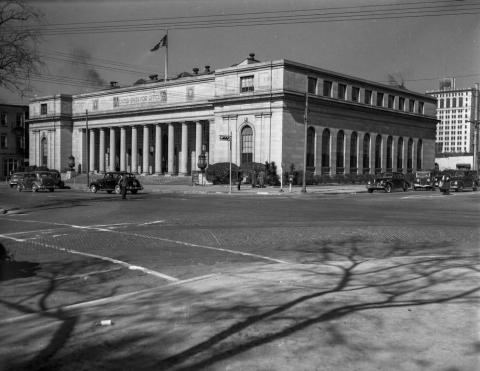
105	258
189	244
154	222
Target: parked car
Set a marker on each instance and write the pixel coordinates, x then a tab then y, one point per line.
388	182
424	180
36	181
59	183
462	179
109	183
14	179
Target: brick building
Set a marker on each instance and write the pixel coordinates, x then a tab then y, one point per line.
160	127
13	138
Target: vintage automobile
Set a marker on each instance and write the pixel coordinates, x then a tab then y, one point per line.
14	179
109	183
388	182
59	183
424	180
36	181
458	180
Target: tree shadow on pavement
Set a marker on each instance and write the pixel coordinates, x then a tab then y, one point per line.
11	269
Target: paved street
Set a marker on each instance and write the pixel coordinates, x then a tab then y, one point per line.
239	264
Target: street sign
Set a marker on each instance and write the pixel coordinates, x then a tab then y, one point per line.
225	137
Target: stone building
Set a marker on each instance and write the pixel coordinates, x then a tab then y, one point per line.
13	138
160	127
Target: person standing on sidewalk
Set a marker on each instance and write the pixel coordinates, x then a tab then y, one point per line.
123	186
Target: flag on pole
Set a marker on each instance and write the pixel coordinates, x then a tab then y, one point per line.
163	42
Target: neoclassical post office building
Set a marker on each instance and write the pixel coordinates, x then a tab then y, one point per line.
160	127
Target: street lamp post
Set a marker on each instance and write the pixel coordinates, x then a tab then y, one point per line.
202	163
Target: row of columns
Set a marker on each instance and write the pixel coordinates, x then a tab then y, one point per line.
183	152
360	165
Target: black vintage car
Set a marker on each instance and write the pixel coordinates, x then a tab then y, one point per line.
424	180
458	180
388	182
109	183
36	181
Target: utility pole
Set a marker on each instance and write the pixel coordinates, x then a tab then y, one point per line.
304	183
475	123
88	148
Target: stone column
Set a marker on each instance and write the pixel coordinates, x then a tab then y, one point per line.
134	160
333	151
198	144
384	153
146	151
414	155
371	165
112	149
171	149
184	152
394	153
123	148
101	154
405	154
158	149
346	160
91	144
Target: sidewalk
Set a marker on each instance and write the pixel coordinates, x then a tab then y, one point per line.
246	189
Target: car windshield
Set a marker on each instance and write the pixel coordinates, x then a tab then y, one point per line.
423	174
459	174
44	175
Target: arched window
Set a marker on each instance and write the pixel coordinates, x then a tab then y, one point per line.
389	154
246	145
378	154
353	152
340	152
400	154
311	148
366	153
44	152
419	154
326	151
409	155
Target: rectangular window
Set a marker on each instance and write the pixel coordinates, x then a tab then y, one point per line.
355	94
3	141
441	103
460	102
3	118
391	101
411	105
379	99
401	104
95	104
368	97
246	84
43	108
420	107
116	102
312	85
327	88
342	91
19	120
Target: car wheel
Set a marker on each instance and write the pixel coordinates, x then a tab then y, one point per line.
414	188
51	189
93	188
19	188
388	188
117	189
34	188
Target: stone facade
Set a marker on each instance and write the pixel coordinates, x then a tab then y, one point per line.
354	125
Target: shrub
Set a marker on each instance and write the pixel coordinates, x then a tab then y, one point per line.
219	173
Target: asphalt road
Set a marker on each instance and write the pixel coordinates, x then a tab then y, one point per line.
71	247
114	246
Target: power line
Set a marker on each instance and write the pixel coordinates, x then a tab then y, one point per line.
376	14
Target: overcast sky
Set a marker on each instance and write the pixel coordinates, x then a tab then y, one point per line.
415	41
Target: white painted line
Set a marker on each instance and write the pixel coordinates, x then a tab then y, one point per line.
12	238
105	258
154	222
236	252
104	300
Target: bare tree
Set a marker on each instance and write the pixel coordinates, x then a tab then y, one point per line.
19	38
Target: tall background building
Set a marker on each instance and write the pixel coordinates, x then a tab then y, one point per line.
457	130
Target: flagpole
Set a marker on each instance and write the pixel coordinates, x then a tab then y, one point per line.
166	59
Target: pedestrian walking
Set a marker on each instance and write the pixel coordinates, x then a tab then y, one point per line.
239	180
123	186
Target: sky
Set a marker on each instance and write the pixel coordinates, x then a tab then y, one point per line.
417	42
